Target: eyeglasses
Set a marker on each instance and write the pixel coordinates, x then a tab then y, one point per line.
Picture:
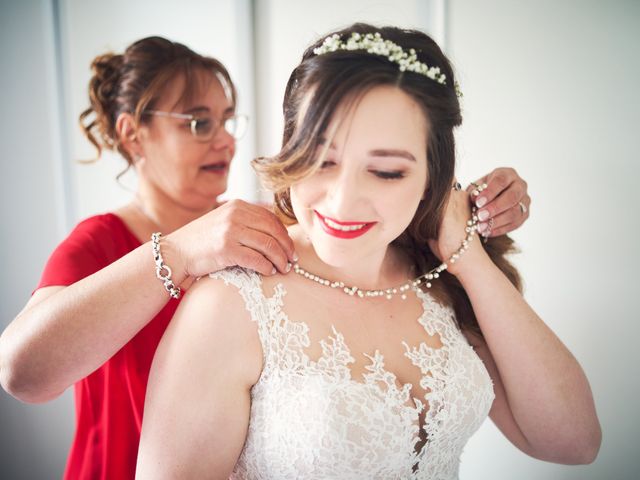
205	128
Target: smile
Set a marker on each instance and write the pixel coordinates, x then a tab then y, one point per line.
343	229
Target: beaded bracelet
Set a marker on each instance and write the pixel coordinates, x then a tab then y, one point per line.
163	272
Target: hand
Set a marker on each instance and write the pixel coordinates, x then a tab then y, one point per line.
235	233
452	233
505	200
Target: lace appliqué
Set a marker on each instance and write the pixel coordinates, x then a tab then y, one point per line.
311	419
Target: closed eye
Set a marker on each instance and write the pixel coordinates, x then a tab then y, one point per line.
327	164
385	175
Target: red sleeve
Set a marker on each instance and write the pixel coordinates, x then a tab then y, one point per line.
92	245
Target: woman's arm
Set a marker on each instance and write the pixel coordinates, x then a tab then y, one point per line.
197	407
65	333
543	403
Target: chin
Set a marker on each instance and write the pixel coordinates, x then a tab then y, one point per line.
339	256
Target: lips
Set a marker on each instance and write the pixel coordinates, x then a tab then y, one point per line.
218	167
346	230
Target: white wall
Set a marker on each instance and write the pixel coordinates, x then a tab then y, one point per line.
32	218
550	88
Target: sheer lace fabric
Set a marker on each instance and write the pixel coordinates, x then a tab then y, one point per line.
310	419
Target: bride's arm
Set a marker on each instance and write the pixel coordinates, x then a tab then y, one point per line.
197	406
543	403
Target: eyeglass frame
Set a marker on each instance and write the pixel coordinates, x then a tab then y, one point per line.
194	119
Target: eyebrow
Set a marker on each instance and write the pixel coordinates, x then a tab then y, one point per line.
196	110
381	152
202	109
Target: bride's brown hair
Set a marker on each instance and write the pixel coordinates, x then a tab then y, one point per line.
320	84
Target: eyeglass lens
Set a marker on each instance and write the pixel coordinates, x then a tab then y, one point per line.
205	128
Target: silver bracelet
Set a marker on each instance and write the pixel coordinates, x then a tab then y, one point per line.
163	272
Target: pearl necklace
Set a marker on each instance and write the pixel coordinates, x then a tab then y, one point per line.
471	228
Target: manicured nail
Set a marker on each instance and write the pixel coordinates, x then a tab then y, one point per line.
481	202
483	215
295	257
273	272
482	227
288	269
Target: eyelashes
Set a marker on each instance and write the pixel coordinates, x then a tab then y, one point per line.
393	175
381	174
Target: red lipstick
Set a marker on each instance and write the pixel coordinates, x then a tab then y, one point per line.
346	230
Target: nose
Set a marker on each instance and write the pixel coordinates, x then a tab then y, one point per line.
223	140
344	195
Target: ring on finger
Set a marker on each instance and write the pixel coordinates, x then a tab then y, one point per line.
523	207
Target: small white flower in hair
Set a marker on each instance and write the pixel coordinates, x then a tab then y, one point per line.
376	45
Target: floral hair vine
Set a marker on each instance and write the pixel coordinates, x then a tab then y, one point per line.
374	43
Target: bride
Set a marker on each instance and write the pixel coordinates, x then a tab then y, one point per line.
397	331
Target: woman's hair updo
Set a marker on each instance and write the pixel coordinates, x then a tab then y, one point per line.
132	82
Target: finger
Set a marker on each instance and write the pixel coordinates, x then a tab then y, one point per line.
516	215
508	199
505	222
511	216
473	185
249	258
261	219
267	246
496	232
499	182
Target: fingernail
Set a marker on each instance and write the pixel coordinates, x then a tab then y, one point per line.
482	227
273	272
295	257
483	215
481	202
288	269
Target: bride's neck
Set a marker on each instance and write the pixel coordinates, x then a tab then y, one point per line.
383	269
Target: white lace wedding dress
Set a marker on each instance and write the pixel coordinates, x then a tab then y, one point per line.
312	420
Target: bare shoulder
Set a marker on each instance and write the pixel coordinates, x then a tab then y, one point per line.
213	319
198	398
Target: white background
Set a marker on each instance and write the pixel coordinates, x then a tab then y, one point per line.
550	88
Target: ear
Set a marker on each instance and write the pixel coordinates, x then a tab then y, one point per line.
128	134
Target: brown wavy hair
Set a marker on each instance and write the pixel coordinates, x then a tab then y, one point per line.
132	82
320	84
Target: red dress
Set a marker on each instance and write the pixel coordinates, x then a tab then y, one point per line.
110	400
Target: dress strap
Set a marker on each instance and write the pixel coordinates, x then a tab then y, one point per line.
249	285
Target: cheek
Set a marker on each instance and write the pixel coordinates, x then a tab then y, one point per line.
300	206
304	195
400	211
